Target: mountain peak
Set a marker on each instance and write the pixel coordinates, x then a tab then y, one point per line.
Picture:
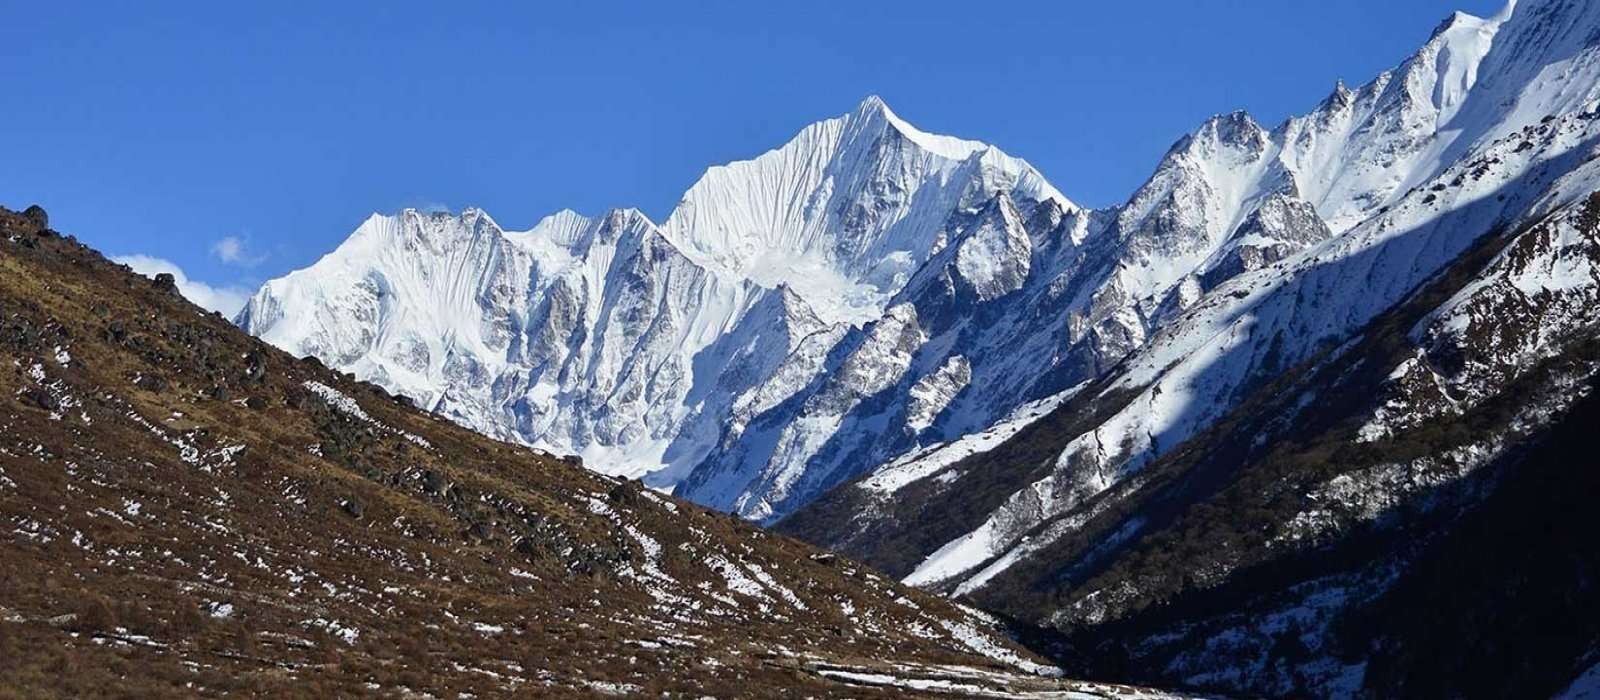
564	227
1456	19
873	104
1340	97
1235	129
873	111
838	210
560	218
1235	122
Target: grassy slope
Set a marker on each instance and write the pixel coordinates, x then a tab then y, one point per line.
180	514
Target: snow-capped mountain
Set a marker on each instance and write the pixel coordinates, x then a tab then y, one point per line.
913	349
633	344
1287	283
869	292
846	211
289	518
1084	289
1343	348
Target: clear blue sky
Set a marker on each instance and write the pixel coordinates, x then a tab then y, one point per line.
161	128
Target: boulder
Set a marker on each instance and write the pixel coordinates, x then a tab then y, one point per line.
37	216
39	398
354	508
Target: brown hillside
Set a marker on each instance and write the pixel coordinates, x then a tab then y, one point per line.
186	511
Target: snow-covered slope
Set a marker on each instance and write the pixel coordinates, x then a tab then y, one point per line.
553	336
846	211
1351	324
1290	484
1208	174
1251	250
634	345
869	292
1063	295
1204	362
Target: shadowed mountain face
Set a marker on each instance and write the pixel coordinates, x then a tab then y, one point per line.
188	510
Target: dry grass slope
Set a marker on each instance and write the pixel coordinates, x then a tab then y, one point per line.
187	511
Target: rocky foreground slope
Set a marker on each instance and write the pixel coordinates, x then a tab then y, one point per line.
186	510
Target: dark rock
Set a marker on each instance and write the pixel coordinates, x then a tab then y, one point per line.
166	282
36	214
354	508
434	482
626	492
151	382
573	460
39	398
21	332
219	393
116	332
297	399
526	546
255	403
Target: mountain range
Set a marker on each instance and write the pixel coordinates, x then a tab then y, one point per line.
189	511
1235	434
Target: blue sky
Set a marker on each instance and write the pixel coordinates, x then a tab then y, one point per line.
238	141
